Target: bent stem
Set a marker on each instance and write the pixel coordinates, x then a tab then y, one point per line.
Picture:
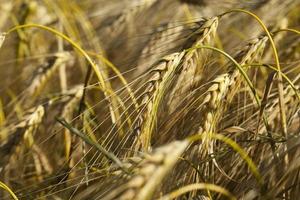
79	49
6	188
59	34
248	81
198	186
287	30
279	84
235	147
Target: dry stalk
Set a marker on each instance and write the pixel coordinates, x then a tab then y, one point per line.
162	75
291	102
129	163
2	38
68	114
149	174
43	159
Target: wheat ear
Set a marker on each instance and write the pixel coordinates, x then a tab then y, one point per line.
149	174
191	66
46	72
225	85
127	17
32	124
162	74
221	91
25	129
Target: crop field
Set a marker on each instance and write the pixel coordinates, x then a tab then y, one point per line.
149	99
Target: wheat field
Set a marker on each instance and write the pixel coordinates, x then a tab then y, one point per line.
149	99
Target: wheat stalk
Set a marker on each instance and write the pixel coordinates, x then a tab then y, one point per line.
290	100
2	38
68	113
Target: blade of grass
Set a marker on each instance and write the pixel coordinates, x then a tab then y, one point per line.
106	153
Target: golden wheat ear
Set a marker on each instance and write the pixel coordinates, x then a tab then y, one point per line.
162	42
34	120
224	86
46	72
127	17
25	130
7	147
219	94
149	173
193	61
162	74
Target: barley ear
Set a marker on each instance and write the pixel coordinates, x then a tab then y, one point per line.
46	72
152	170
163	73
32	124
